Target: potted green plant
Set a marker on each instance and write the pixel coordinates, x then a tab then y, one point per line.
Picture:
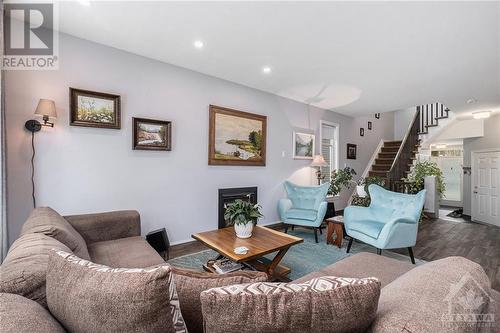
242	214
415	180
340	178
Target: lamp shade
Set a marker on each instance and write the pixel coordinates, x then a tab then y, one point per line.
318	161
46	107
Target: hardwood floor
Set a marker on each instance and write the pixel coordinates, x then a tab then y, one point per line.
437	239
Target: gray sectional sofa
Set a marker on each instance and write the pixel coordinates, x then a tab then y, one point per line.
428	298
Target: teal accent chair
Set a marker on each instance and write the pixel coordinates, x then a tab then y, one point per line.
305	206
390	222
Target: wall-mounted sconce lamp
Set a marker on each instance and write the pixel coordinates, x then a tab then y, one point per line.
45	108
319	162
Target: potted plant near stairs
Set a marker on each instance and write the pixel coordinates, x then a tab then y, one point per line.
243	215
340	179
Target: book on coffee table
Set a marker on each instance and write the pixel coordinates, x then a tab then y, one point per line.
223	266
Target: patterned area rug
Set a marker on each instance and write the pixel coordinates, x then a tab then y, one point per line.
302	258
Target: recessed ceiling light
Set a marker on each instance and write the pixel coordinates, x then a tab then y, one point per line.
481	114
198	44
266	69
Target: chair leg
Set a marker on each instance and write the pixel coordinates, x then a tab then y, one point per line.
293	227
349	245
320	232
410	250
379	252
315	234
286	228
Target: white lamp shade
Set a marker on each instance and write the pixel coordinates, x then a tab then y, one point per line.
318	161
46	107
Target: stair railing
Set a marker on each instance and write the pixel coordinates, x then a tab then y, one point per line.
405	154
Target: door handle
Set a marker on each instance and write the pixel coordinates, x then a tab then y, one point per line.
475	192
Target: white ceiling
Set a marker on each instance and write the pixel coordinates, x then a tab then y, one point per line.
355	58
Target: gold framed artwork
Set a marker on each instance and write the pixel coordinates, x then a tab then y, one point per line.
236	137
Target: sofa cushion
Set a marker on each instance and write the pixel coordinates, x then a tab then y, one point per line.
45	220
87	297
426	298
23	270
189	285
21	315
362	265
370	228
127	252
302	214
327	304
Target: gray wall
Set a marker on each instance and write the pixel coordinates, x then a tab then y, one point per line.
491	139
402	120
82	170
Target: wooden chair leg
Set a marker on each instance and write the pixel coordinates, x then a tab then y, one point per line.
349	244
379	252
410	250
320	232
315	234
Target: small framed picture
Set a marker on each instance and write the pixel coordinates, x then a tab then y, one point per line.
303	146
361	131
377	115
151	134
370	125
351	151
94	109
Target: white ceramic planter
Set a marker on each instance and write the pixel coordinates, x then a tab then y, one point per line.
360	189
243	230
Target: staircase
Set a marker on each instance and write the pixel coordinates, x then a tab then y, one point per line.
385	159
396	159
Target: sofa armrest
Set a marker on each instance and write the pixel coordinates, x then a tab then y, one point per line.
106	226
283	206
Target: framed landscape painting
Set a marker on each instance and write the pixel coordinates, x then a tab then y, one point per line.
94	109
303	146
236	137
151	134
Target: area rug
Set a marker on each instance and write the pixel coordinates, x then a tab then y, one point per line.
302	258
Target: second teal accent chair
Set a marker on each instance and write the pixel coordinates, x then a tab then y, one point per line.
305	206
390	222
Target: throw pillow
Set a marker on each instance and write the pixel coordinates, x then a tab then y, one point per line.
88	297
23	270
189	285
325	304
45	220
19	314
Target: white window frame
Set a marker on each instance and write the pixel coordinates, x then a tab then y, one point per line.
336	140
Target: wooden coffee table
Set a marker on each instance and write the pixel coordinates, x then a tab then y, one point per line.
263	241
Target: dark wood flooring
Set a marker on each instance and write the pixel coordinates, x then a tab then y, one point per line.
437	239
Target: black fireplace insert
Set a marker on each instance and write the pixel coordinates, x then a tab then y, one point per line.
228	195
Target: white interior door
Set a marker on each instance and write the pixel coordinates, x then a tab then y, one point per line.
485	187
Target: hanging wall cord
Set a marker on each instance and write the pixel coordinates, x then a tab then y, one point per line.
33	168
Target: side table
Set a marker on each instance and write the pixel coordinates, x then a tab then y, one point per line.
335	225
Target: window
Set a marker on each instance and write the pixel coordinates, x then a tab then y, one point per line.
329	145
